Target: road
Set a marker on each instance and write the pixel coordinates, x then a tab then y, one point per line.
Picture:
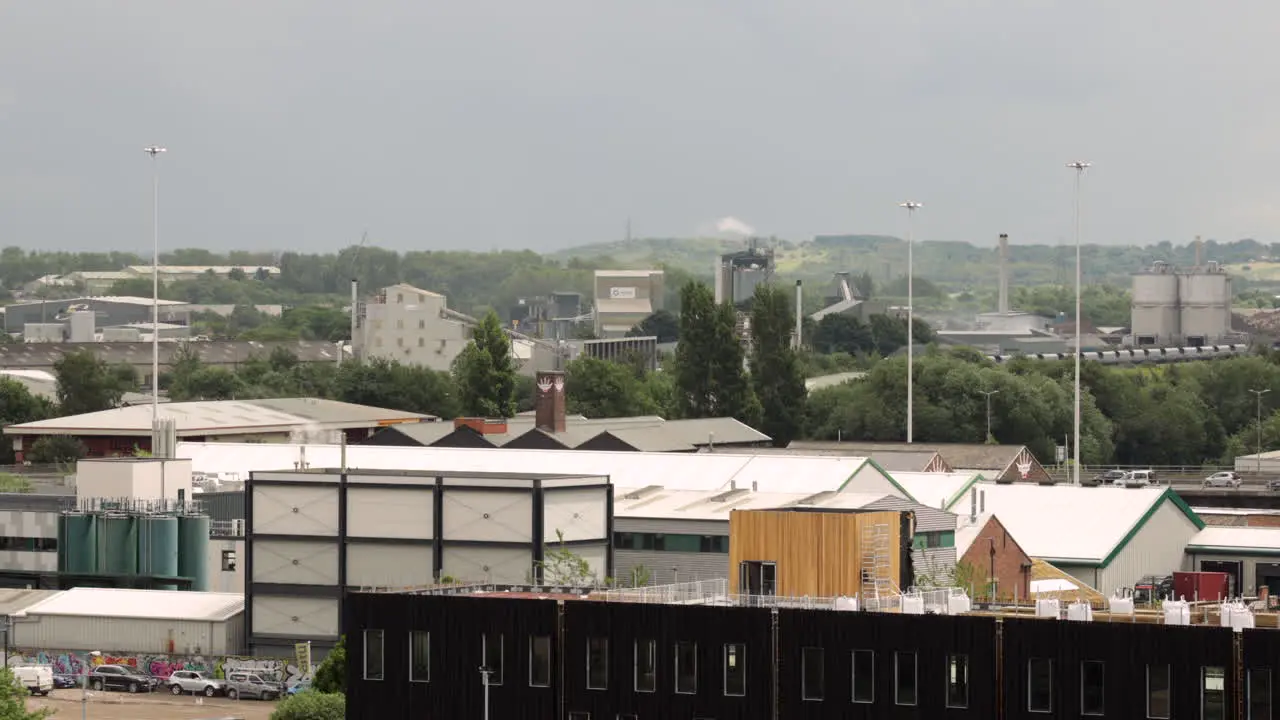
122	706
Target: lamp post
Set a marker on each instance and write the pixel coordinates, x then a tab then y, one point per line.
154	151
1259	394
988	393
485	672
84	688
911	340
1079	167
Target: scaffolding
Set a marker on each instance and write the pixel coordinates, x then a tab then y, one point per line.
876	549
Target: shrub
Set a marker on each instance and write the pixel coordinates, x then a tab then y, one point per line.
312	705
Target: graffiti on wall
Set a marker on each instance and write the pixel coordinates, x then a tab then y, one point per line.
78	662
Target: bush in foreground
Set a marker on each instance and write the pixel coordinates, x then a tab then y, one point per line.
312	705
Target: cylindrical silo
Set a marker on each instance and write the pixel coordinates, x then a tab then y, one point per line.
77	543
117	544
193	550
1157	307
158	547
1206	307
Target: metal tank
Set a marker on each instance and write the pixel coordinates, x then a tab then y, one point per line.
158	547
1157	316
193	550
117	535
1206	307
77	543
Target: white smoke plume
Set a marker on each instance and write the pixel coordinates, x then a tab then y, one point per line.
734	226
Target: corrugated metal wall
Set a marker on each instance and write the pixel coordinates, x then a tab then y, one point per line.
1157	549
73	632
664	567
223	505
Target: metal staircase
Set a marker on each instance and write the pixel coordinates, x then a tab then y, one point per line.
877	570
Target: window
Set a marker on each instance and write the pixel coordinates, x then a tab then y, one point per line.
757	577
422	342
31	544
399	298
687	668
373	655
957	681
579	716
228	560
646	665
491	656
1040	685
1093	686
628	716
935	539
812	674
419	656
400	324
735	669
1158	691
1258	693
904	678
1213	693
671	542
864	676
540	661
597	663
422	324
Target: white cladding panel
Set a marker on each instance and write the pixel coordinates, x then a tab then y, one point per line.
303	510
478	563
488	515
1156	549
597	558
580	514
385	565
123	635
295	562
295	616
382	512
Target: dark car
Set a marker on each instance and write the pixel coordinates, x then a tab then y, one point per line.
122	677
1108	477
66	681
1273	483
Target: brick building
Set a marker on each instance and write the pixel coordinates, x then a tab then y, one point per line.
1000	567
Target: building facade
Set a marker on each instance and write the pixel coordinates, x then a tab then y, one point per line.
313	534
625	297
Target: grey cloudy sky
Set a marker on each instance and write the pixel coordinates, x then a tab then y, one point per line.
297	124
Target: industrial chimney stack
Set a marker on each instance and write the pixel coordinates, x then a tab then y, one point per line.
1004	274
799	316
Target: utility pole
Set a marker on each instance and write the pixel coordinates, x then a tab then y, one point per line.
988	393
911	325
1079	167
1259	394
485	672
154	151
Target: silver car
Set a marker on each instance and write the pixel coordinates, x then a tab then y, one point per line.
190	682
1222	479
251	685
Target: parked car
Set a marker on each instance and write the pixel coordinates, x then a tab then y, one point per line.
122	677
38	679
1106	477
1138	478
190	682
1226	479
302	686
250	685
1273	483
62	682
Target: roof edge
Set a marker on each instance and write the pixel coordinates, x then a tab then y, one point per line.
1168	495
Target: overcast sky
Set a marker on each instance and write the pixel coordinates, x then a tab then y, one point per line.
298	124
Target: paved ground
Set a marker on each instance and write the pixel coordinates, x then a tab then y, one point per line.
122	706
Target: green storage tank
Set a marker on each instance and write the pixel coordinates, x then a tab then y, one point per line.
158	547
77	543
193	550
118	544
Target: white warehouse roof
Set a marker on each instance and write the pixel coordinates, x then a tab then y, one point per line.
665	504
674	471
940	489
1225	540
1070	524
141	604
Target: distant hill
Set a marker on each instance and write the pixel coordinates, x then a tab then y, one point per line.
952	265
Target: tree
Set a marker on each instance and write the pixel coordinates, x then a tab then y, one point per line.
311	705
840	333
776	375
331	676
562	566
662	324
603	389
484	372
13	699
86	384
18	405
389	384
52	449
710	374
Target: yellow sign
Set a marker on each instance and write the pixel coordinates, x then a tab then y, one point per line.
303	653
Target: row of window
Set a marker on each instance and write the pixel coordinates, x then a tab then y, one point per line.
29	544
671	542
813	677
1159	690
493	656
934	539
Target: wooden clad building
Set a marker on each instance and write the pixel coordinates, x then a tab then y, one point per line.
797	552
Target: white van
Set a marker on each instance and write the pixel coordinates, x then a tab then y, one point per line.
1137	478
36	678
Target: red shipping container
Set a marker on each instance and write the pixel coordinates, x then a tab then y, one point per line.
1201	585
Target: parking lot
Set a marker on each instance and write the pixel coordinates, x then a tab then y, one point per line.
158	706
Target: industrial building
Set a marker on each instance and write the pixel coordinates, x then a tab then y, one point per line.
844	299
623	298
225	354
126	430
998	463
416	327
312	534
104	311
132	621
737	274
1249	555
1182	307
639	352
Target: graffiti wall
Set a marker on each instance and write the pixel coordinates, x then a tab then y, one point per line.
78	662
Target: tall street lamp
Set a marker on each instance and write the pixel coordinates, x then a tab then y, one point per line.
911	326
1259	394
154	151
988	393
1079	167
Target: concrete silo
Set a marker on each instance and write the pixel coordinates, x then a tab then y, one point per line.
1157	307
1206	305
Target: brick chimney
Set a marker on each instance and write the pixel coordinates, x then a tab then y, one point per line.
548	402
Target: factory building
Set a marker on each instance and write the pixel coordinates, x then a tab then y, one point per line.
737	274
623	298
1175	307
